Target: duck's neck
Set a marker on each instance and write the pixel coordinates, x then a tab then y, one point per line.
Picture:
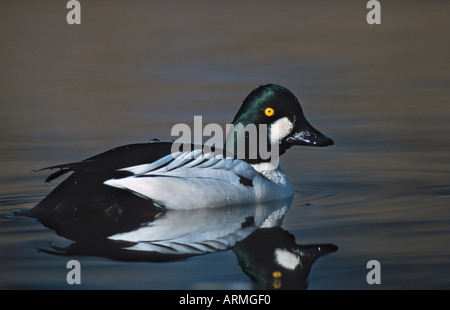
246	143
265	166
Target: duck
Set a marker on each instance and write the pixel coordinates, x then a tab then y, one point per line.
121	187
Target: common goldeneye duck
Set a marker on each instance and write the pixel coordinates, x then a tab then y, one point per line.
124	181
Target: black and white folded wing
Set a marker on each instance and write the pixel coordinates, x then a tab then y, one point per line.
194	180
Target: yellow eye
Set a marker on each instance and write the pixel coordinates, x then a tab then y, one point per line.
269	111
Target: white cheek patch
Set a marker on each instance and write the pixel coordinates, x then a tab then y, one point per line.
279	130
287	259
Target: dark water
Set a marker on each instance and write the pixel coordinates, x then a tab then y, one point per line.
132	70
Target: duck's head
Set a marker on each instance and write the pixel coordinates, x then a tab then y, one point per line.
277	108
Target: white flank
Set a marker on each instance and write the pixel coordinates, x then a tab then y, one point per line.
207	181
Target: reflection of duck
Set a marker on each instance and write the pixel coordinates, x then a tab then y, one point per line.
272	259
177	234
99	187
266	253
